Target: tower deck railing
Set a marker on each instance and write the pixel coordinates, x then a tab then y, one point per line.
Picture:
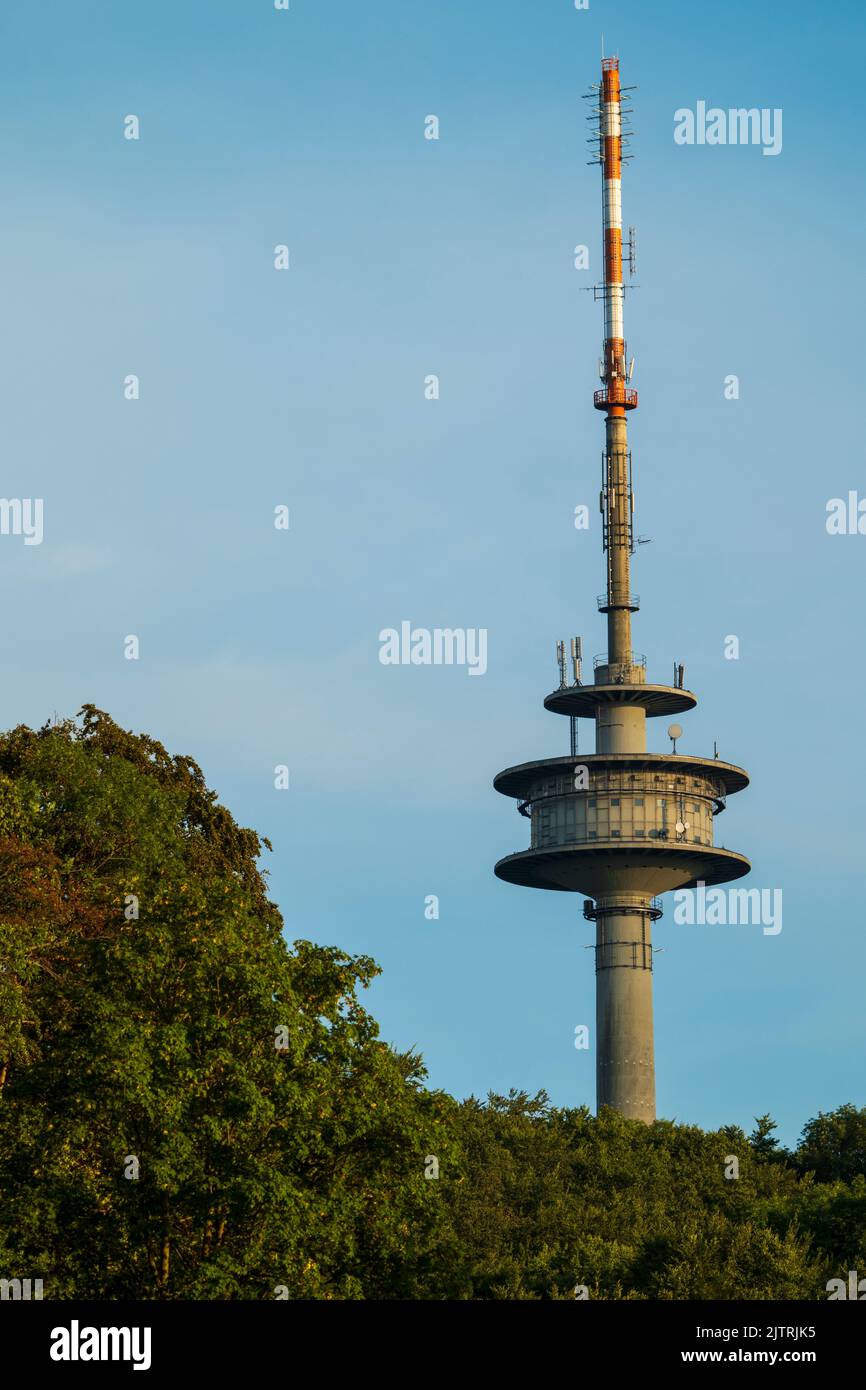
606	601
634	659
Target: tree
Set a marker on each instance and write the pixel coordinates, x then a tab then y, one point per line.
190	1109
555	1200
764	1143
833	1146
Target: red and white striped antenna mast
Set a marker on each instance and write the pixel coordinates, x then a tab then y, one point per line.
610	114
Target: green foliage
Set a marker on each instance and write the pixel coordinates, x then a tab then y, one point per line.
560	1199
834	1146
148	1043
190	1109
764	1143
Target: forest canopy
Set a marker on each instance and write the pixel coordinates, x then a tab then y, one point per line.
191	1108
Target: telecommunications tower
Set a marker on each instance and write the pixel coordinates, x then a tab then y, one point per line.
620	825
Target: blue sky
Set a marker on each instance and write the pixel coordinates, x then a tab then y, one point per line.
411	257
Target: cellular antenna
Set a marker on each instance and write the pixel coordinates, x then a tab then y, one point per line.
576	657
561	663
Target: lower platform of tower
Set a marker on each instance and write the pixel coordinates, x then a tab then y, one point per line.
625	1072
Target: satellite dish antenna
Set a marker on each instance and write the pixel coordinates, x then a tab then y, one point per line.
674	732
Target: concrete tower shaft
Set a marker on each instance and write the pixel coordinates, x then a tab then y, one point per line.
624	1059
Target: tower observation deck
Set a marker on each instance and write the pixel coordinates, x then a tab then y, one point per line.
620	825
